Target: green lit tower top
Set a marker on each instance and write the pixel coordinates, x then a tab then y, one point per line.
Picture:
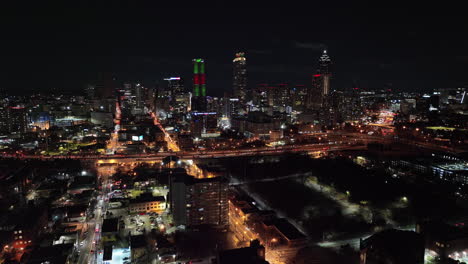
199	79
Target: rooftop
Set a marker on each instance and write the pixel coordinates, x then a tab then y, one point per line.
147	197
286	228
110	225
255	254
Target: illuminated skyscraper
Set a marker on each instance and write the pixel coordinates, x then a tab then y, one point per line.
325	74
199	85
317	95
175	85
199	79
18	119
239	78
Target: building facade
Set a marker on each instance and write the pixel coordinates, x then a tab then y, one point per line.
196	202
239	76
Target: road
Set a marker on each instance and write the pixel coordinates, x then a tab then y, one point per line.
325	147
354	242
88	250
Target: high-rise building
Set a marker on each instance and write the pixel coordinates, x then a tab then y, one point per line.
139	103
4	123
18	119
175	85
125	98
199	85
90	91
298	97
324	71
320	89
204	124
196	202
239	77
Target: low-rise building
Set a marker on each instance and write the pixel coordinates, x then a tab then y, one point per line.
254	254
443	239
146	202
393	246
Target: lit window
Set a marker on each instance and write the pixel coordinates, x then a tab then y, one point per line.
20	231
16	232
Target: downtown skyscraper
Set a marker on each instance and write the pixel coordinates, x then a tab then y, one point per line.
317	95
199	85
324	74
239	76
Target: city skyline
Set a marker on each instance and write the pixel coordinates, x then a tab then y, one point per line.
255	135
371	52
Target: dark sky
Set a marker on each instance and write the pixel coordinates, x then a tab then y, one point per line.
394	46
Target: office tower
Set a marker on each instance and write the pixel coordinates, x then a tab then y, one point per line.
199	85
196	202
18	119
230	107
298	97
4	123
90	92
139	104
175	85
180	99
239	78
324	71
317	95
260	94
125	98
204	124
162	99
282	95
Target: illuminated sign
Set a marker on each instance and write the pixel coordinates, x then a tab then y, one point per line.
204	113
172	79
137	138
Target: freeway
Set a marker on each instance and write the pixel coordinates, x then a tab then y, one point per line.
200	154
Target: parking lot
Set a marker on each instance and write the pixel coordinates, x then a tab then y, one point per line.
137	224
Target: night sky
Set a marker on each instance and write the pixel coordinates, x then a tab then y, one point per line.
395	47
